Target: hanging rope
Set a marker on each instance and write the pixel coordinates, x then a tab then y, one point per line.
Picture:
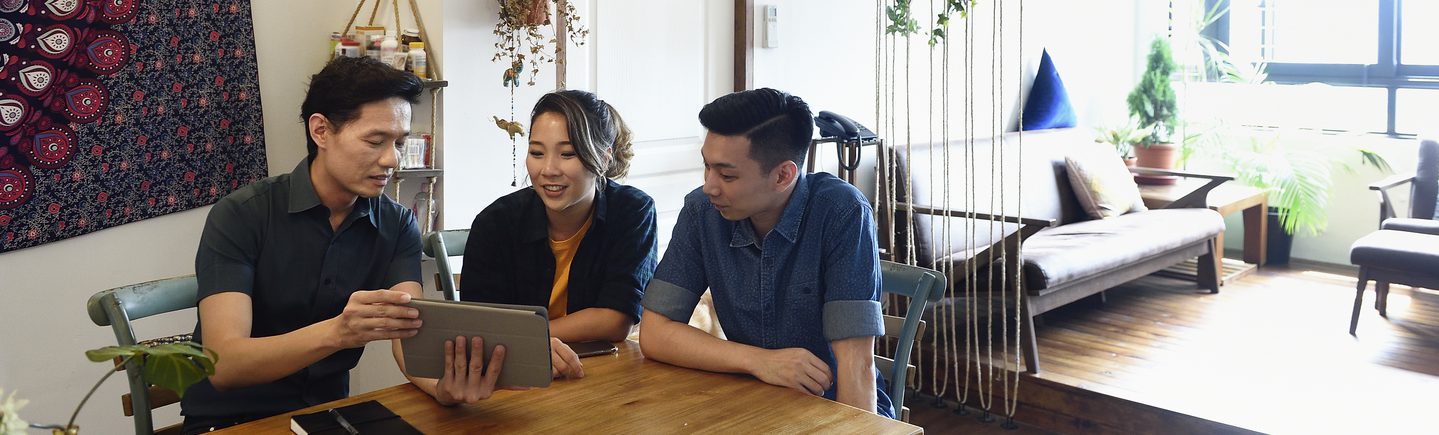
1012	405
995	172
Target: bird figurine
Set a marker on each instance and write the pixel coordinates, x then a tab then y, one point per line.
512	74
511	127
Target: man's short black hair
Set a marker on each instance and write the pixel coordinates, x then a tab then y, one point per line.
347	83
778	125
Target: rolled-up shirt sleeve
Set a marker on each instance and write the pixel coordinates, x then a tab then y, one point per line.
679	279
851	296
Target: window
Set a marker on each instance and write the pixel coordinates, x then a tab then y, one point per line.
1386	52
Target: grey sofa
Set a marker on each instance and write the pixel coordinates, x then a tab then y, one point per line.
1066	256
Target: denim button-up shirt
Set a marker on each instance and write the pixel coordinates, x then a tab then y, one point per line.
813	280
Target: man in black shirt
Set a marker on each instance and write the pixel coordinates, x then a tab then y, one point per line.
298	272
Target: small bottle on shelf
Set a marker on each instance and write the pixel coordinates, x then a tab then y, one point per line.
389	49
419	60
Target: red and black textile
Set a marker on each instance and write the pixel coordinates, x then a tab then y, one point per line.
114	111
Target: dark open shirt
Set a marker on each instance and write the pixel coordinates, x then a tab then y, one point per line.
813	280
508	258
272	240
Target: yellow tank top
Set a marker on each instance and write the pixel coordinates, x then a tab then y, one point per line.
564	251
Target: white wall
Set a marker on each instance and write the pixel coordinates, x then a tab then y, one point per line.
826	55
46	286
657	63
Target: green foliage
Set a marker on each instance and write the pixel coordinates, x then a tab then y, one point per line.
903	23
1153	100
941	22
1123	137
174	366
1215	63
1297	170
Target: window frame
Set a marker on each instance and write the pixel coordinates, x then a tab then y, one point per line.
1387	72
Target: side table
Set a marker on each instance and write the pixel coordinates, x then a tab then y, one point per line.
1226	199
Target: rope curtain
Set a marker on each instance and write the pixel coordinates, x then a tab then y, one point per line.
961	350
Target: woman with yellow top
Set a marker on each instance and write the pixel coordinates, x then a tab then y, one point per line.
575	241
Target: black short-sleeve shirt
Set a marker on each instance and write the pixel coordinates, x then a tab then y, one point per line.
508	258
273	241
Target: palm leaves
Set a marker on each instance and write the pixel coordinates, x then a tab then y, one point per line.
1298	174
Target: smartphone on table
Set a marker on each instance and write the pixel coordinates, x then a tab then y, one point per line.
593	348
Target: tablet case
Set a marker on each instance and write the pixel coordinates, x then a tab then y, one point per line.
523	329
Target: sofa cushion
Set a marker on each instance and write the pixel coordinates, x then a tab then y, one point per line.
1070	252
1104	187
1396	250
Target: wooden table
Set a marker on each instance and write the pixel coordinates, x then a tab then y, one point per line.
623	393
1226	199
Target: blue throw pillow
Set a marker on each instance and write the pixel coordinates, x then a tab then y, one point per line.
1048	105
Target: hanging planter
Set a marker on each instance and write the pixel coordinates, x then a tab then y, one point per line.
522	46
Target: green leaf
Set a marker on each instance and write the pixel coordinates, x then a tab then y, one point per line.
111	352
174	366
177	366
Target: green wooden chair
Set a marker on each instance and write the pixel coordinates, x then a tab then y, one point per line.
116	308
923	287
441	245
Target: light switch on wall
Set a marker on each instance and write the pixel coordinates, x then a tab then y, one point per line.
771	26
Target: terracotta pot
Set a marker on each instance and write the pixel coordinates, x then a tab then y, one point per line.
1157	156
1129	162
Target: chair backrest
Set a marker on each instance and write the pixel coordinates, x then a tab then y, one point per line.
116	308
1425	193
923	287
441	245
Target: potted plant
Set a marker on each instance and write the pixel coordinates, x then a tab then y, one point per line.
522	44
1296	168
173	366
1154	104
1124	138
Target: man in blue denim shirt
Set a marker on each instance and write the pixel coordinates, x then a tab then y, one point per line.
791	260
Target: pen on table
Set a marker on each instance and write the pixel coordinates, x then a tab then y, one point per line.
339	418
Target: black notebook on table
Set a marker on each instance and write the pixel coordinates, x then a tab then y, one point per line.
365	418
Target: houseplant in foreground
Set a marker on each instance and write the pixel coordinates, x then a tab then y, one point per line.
173	366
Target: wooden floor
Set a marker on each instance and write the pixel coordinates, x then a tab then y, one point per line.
1270	353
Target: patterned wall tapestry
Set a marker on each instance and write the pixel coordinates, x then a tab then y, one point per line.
114	111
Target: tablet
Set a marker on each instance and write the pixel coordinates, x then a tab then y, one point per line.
524	330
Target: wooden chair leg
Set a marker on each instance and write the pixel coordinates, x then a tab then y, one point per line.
1027	343
1208	273
1358	301
1381	298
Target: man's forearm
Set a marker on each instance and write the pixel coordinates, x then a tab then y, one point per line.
854	382
683	345
252	361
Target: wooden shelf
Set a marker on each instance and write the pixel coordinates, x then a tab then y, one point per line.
418	173
433	84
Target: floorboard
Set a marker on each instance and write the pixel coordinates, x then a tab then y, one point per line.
1269	353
